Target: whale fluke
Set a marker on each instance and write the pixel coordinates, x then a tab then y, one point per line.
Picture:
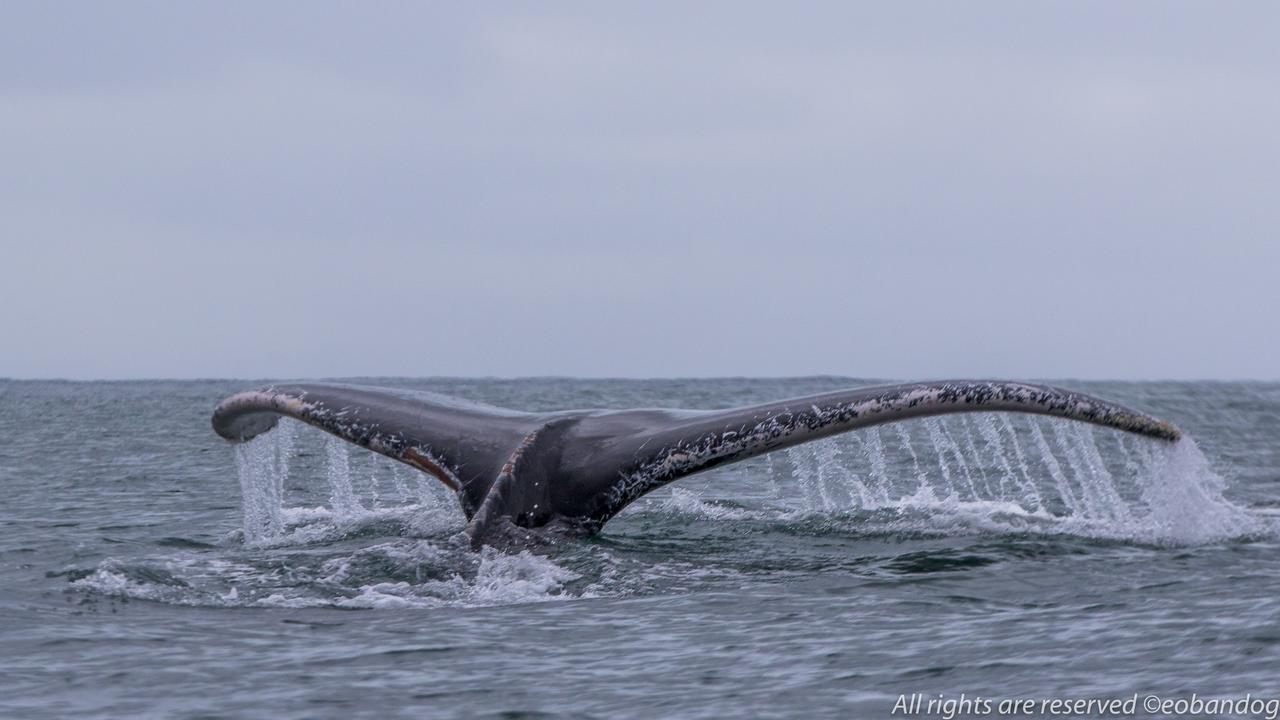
575	469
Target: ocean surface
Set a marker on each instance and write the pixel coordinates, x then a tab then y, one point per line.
148	569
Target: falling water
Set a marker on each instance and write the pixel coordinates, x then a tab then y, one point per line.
264	468
367	487
342	495
1059	475
1058	472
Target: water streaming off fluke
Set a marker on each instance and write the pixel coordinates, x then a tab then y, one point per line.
1018	474
1015	473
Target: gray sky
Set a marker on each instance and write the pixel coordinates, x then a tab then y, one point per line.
880	189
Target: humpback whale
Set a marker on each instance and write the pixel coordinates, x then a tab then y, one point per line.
571	471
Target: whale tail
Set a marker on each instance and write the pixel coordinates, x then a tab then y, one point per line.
576	469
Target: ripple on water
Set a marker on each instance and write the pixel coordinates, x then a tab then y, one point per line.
389	538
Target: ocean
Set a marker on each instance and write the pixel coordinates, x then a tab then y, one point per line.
896	571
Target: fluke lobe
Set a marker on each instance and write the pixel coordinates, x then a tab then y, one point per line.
573	470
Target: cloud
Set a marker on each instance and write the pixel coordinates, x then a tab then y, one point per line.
1030	191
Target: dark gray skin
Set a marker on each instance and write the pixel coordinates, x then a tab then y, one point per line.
571	471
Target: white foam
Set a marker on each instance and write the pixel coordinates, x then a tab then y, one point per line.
936	477
1162	493
398	574
683	502
378	493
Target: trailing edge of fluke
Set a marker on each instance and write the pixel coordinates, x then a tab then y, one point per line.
573	470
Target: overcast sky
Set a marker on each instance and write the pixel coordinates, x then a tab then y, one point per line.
880	189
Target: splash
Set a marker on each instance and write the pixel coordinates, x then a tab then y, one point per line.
397	574
994	471
373	534
359	495
264	470
1018	475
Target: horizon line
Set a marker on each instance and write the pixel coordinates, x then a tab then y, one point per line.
633	378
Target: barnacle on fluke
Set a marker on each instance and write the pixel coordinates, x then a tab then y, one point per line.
573	470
